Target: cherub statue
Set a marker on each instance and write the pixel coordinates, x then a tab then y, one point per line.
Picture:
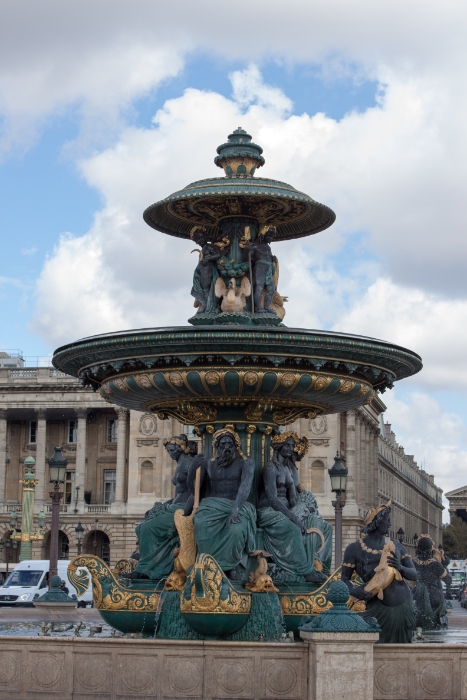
206	273
233	297
263	264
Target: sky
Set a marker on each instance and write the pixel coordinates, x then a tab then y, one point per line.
108	107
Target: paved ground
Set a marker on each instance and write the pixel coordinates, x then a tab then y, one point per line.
11	615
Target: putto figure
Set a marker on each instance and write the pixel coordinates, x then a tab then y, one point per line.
206	273
262	261
157	537
430	603
386	593
225	523
297	538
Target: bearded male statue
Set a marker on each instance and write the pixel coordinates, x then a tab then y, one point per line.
225	522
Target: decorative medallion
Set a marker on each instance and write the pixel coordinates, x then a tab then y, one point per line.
147	424
144	381
287	379
318	425
212	378
251	378
176	378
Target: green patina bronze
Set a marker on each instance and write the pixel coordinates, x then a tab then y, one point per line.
238	367
338	618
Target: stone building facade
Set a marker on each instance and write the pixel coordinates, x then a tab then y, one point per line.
118	467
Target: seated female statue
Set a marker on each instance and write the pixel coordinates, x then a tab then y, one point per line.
430	603
293	531
157	536
395	611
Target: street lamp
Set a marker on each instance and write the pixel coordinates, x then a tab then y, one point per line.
400	535
79	529
8	553
27	535
57	468
338	474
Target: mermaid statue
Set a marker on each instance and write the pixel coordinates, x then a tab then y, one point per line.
385	568
157	536
297	539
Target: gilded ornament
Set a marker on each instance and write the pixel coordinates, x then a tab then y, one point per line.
143	380
251	378
185	555
218	594
346	386
176	378
260	581
322	382
121	384
287	379
108	593
212	378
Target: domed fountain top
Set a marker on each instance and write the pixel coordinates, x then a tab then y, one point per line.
240	157
210	202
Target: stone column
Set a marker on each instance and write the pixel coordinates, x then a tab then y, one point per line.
80	473
340	664
3	428
350	456
41	445
122	414
359	459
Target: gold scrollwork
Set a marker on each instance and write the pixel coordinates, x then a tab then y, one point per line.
108	593
121	383
211	591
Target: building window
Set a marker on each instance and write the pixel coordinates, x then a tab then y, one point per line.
32	431
69	487
112	430
147	477
110	476
318	477
72	430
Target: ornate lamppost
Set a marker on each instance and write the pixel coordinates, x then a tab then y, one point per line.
57	468
338	474
79	529
27	535
400	535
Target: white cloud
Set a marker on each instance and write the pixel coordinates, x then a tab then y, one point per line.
28	251
365	166
437	438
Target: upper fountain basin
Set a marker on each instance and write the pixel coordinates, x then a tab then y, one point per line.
159	368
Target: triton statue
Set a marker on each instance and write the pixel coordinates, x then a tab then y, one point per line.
225	523
156	535
430	603
294	533
385	591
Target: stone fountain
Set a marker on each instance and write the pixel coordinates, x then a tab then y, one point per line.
239	376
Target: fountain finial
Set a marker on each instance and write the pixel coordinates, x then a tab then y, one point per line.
239	157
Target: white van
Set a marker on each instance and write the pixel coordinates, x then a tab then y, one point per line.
29	578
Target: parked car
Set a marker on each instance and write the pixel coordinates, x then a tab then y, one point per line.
30	577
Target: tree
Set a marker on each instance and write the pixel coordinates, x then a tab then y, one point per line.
455	537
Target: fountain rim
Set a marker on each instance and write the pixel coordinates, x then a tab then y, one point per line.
259	330
77	357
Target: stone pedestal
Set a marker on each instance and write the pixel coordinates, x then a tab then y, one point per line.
340	664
